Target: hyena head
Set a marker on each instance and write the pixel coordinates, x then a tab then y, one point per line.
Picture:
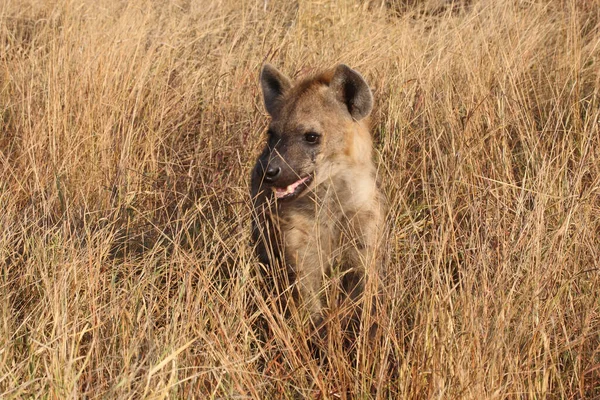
313	129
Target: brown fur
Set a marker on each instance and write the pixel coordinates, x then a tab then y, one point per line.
327	237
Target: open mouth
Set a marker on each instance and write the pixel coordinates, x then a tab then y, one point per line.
294	189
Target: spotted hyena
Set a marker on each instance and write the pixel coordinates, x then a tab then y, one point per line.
318	214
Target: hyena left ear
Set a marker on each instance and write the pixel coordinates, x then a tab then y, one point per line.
351	89
274	85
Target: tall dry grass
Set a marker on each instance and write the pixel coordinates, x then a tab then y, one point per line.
128	132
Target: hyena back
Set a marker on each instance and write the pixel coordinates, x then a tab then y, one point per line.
318	213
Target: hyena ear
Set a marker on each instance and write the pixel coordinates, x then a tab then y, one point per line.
274	85
351	89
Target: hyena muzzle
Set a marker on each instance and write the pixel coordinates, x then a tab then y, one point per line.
318	214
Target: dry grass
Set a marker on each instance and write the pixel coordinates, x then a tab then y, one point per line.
128	133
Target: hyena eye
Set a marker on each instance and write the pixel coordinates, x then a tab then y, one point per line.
312	137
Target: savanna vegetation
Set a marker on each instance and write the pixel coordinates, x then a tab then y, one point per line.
128	130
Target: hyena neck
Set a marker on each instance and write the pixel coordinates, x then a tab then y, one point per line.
360	144
348	183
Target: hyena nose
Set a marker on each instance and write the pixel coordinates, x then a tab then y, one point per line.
272	173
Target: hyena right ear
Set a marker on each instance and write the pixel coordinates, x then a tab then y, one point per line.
351	89
274	85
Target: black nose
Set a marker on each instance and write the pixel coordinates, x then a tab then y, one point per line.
272	173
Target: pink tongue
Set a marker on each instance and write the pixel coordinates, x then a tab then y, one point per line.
281	192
